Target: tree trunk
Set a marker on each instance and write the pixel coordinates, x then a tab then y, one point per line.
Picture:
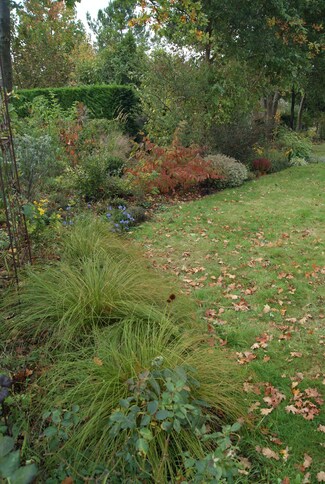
293	102
301	108
5	44
275	103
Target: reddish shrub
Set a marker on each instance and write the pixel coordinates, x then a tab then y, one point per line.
263	165
165	170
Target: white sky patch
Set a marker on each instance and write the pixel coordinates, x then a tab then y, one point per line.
91	6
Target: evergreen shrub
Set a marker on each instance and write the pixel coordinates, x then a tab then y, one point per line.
232	173
106	101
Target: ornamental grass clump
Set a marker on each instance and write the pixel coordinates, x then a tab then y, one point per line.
181	381
99	281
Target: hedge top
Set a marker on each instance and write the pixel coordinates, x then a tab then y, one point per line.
103	101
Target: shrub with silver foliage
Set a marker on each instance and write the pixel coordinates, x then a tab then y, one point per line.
298	161
233	172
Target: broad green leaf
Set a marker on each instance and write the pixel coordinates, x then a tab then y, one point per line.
162	414
9	463
50	431
146	434
24	475
152	407
6	445
142	446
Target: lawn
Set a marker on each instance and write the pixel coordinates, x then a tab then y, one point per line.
254	259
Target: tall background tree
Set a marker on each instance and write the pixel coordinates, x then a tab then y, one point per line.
45	36
6	9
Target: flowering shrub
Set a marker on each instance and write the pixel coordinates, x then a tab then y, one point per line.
163	170
120	218
263	165
38	216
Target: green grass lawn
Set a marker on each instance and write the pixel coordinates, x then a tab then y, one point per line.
254	259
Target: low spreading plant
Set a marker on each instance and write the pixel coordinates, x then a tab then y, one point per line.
157	169
145	392
120	218
232	173
11	470
296	161
161	406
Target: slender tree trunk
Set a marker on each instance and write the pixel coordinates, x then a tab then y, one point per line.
209	44
275	103
5	43
293	102
301	108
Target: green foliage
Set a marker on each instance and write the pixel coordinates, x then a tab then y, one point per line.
44	36
161	405
138	213
278	159
120	218
38	159
237	138
64	302
11	470
232	173
295	144
58	425
176	89
103	101
100	379
98	177
296	161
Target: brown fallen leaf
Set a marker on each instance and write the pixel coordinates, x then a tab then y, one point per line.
295	354
285	453
245	357
321	476
321	428
268	453
67	480
97	361
266	309
307	461
266	411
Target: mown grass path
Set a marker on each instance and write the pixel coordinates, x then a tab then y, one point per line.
254	259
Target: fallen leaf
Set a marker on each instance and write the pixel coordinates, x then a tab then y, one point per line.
97	361
266	411
321	476
321	428
67	480
285	453
268	453
307	461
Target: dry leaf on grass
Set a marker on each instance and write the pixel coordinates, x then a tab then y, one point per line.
321	476
268	453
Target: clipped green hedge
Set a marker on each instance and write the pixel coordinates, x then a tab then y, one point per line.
105	101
